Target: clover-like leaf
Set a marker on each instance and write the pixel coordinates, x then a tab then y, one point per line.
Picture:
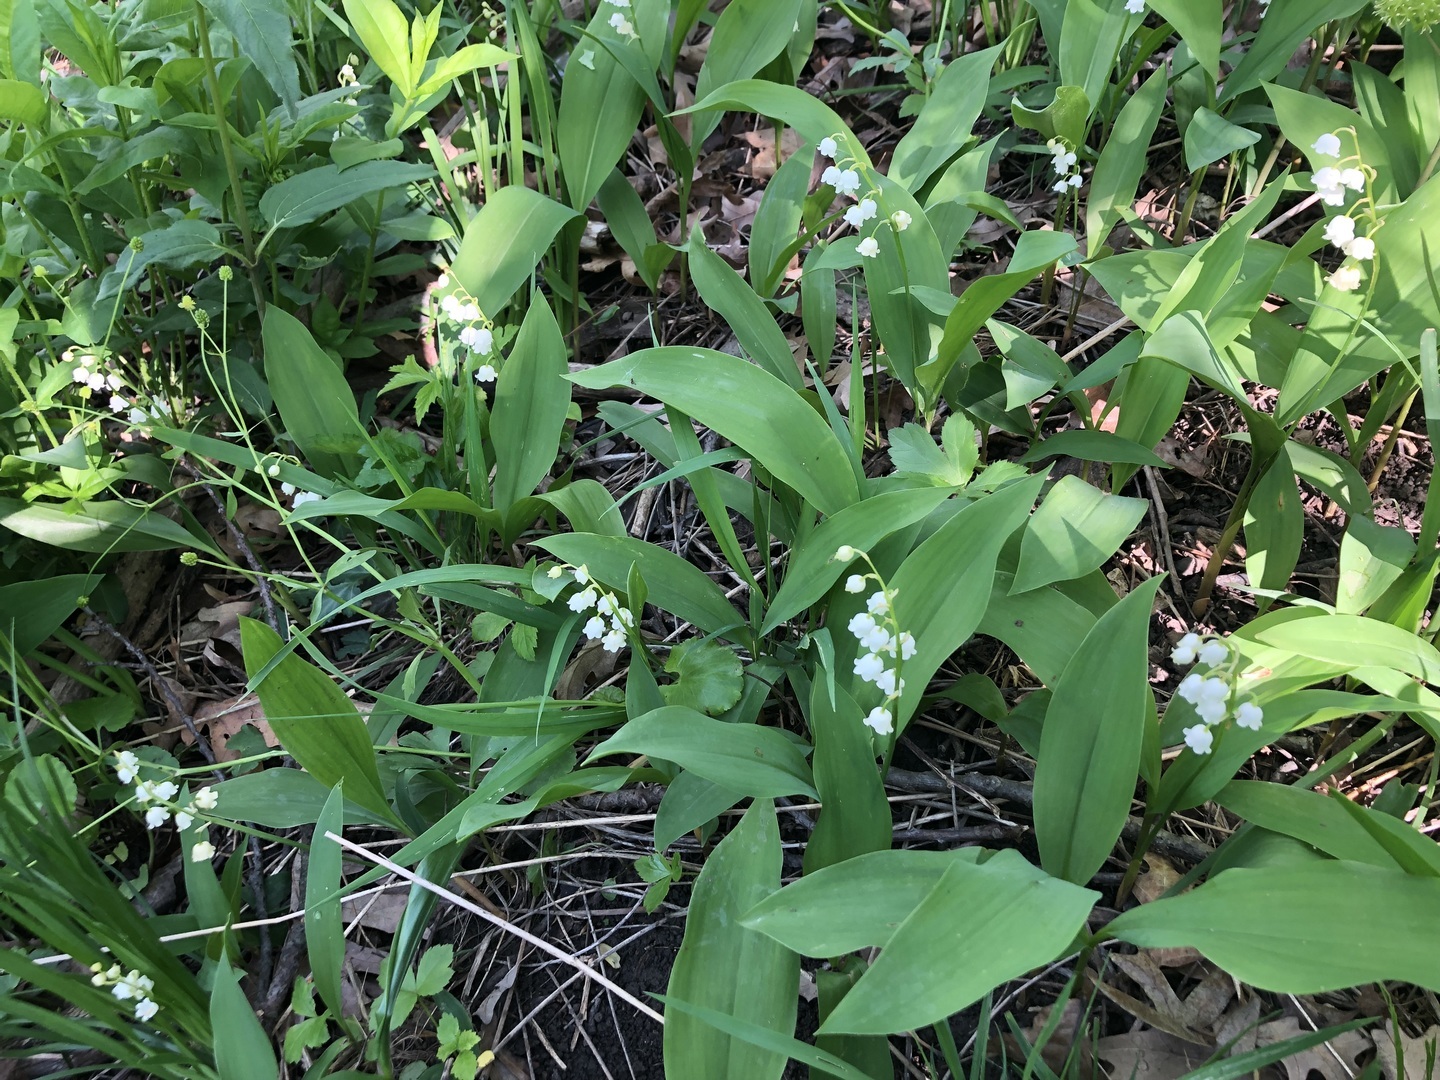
708	677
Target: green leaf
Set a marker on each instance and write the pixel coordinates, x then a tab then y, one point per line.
466	60
1090	744
1326	825
807	114
99	527
774	233
745	758
946	119
1090	39
1280	34
1372	558
730	968
1210	137
632	228
600	106
675	585
314	720
856	904
30	611
982	925
1199	24
1302	929
1064	118
324	932
943	586
854	816
314	400
1351	641
23	103
242	1049
913	450
531	401
383	32
505	242
1274	526
1122	160
179	245
736	302
750	407
708	676
1076	529
262	32
1095	446
813	569
747	36
310	195
765	1038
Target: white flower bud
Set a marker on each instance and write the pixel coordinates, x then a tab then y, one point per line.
828	148
855	584
1249	715
880	721
1199	738
1185	650
1327	145
1213	653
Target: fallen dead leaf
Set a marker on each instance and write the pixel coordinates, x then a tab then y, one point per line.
1150	1055
1334	1060
223	719
1417	1053
1158	878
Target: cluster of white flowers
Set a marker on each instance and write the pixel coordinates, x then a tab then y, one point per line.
157	796
846	182
89	371
886	646
1332	182
1213	694
619	22
1063	159
296	496
131	986
463	314
155	411
612	619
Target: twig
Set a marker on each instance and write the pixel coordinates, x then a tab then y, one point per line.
495	920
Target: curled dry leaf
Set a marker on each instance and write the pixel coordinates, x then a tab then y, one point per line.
222	720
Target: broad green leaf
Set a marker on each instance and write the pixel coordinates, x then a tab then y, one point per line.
30	611
675	585
1372	558
1323	823
725	966
19	41
324	932
745	758
1352	641
314	720
854	816
1090	744
1404	306
1285	26
1064	118
943	126
1302	118
907	265
1302	929
856	904
737	303
242	1049
531	400
179	245
23	103
708	676
914	452
750	407
1274	526
262	32
1199	24
1043	626
943	586
600	105
1096	445
813	569
1076	529
747	36
990	922
1034	251
282	799
766	1038
1089	41
99	527
689	802
1210	137
313	399
774	234
310	195
1122	160
505	242
382	30
466	60
632	228
807	114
